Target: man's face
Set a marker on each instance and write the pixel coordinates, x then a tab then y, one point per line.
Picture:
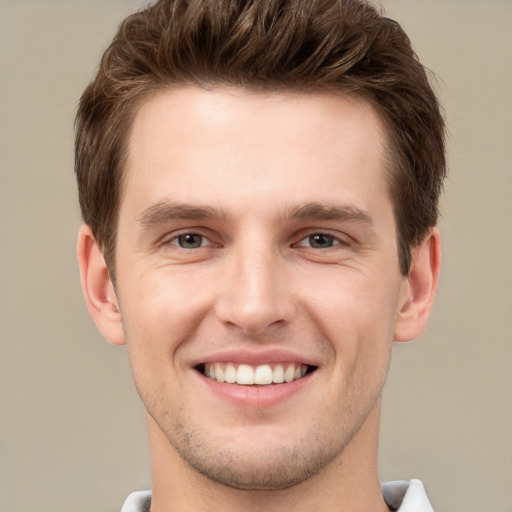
257	242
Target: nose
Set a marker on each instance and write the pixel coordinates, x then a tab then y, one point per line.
255	293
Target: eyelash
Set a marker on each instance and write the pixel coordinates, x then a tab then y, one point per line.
175	240
335	241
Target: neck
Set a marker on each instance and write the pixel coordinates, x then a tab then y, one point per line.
349	482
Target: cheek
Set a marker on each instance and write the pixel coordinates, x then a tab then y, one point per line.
356	311
163	299
159	314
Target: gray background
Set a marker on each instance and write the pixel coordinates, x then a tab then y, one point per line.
71	427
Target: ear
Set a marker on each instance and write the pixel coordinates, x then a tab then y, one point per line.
419	288
98	289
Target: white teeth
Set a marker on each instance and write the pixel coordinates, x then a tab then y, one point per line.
247	375
219	373
230	373
263	375
289	374
278	374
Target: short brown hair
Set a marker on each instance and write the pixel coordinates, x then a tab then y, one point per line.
326	46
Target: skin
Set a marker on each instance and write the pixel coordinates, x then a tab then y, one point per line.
255	177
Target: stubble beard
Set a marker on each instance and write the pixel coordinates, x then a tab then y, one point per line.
255	469
276	469
277	465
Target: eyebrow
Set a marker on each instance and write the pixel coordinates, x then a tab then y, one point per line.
165	211
162	212
321	211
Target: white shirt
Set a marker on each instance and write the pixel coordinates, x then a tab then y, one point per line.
401	495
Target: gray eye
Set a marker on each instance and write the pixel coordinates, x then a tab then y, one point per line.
190	241
321	241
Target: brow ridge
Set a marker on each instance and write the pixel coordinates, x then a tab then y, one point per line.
166	211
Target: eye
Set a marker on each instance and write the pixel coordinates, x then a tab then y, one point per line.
319	241
190	241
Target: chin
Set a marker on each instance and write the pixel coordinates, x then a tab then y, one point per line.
281	470
262	466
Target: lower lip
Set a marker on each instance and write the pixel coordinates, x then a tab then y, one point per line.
256	396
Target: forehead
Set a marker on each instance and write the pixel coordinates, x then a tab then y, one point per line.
192	144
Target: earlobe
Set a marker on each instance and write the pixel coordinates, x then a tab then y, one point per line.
419	288
98	289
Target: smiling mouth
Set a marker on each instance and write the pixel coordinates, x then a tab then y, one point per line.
260	375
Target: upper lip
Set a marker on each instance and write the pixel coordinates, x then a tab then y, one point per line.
256	357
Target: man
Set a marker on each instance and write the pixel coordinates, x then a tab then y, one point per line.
259	184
